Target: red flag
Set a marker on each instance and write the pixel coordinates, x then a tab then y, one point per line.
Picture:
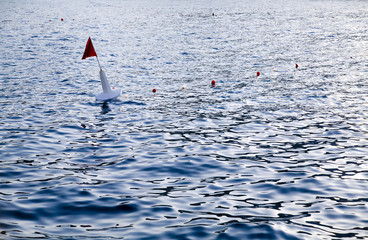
90	50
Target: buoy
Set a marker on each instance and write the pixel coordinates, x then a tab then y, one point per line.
296	65
213	83
62	19
258	74
184	87
275	70
154	90
107	92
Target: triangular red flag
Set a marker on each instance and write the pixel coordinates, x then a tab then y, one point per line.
90	50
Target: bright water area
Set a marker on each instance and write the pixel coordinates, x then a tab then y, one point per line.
279	156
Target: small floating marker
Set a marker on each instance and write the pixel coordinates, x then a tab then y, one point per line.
213	83
154	90
296	65
62	19
258	74
184	87
213	14
275	69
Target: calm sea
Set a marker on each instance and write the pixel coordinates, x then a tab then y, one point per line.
279	156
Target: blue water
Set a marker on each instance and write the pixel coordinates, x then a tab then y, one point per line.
280	156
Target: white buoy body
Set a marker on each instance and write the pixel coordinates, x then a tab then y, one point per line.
107	93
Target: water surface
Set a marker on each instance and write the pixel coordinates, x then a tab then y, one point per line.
280	156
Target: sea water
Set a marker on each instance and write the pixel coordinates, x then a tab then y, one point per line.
279	156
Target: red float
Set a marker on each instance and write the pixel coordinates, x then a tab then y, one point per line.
258	74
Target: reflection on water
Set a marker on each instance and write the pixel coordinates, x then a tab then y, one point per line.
105	107
279	156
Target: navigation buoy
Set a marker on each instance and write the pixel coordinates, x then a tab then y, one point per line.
213	83
107	92
154	90
258	74
184	87
62	19
296	65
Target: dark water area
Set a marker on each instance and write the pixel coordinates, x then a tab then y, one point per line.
279	156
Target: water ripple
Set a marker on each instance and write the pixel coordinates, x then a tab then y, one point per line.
279	156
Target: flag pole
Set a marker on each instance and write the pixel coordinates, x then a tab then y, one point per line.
98	63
